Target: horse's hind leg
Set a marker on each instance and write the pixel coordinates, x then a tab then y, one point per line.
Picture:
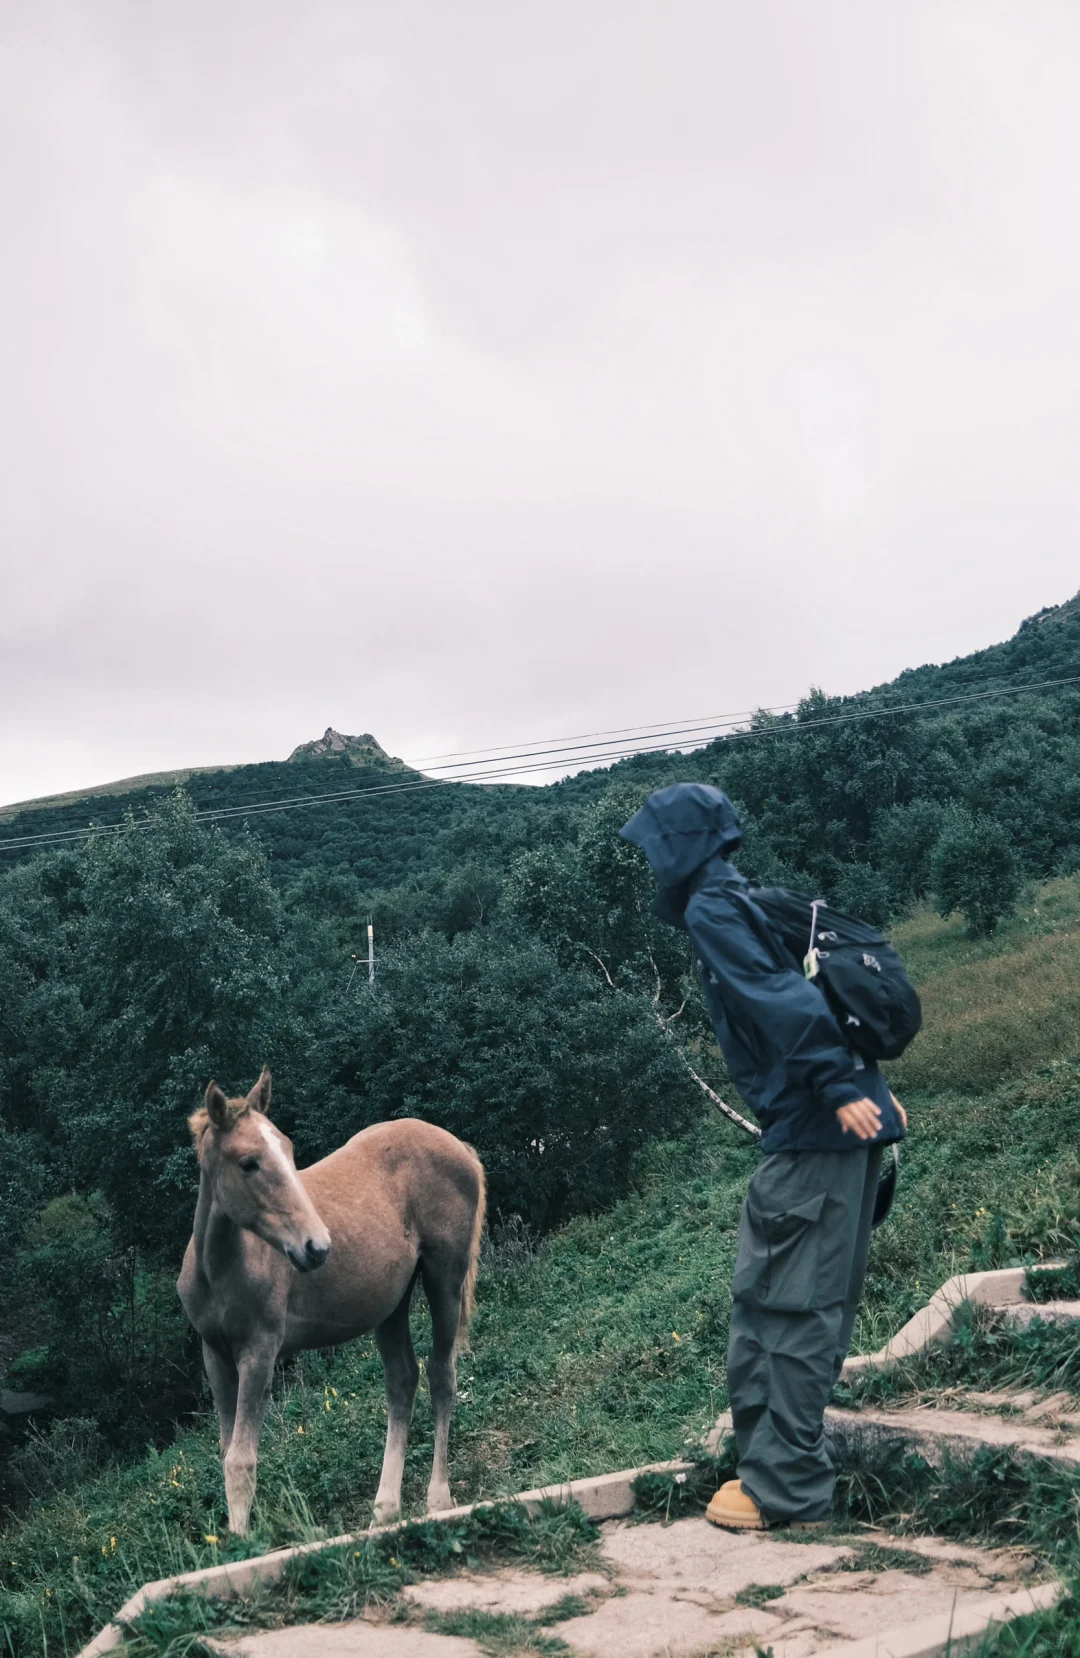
443	1289
394	1340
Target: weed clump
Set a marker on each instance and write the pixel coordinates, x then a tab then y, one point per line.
984	1353
1053	1283
336	1584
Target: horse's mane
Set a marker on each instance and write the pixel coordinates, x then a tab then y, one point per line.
199	1122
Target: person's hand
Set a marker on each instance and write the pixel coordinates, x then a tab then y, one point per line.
861	1118
901	1113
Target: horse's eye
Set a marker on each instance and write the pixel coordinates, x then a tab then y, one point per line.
249	1164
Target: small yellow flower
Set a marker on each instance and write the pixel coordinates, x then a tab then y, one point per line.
675	1336
333	1390
210	1536
300	1429
328	1404
112	1544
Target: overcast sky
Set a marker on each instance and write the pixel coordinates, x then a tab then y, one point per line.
481	371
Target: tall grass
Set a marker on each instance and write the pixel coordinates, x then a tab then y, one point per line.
985	1355
994	1009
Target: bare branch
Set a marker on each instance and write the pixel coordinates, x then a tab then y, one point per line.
721	1105
599	964
669	1019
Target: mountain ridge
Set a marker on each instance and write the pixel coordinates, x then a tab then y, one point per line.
364	750
1045	647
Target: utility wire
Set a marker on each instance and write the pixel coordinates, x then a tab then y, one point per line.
720	723
502	771
650	728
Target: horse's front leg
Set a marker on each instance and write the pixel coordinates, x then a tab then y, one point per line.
402	1375
256	1368
223	1377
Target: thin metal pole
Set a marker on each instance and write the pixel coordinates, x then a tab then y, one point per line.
370	954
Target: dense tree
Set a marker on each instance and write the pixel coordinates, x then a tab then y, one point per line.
974	870
904	841
182	975
556	1077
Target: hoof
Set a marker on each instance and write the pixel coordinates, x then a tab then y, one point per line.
385	1514
439	1501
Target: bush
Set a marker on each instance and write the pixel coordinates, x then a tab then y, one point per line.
113	1340
556	1078
864	892
974	870
903	846
70	1451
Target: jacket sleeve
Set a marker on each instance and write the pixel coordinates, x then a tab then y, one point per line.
782	1008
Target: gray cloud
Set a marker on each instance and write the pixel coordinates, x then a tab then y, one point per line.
467	373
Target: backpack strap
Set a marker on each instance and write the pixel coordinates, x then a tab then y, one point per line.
811	960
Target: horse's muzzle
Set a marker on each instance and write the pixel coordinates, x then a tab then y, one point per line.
311	1256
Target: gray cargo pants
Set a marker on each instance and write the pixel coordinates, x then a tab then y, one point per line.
804	1238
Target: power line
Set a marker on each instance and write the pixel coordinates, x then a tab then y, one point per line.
500	773
614	731
719	723
649	728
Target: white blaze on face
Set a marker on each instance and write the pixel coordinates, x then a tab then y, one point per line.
278	1150
312	1226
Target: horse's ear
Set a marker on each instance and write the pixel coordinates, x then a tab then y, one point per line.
217	1107
259	1098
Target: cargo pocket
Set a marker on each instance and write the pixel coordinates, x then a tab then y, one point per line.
779	1255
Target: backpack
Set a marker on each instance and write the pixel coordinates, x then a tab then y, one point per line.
861	975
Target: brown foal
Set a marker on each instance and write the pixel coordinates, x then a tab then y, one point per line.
282	1259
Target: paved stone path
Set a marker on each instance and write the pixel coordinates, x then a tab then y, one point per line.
683	1590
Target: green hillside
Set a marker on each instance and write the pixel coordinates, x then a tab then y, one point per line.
603	1345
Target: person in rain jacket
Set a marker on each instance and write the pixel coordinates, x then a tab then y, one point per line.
825	1113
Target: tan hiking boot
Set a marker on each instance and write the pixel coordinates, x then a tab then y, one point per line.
733	1508
736	1509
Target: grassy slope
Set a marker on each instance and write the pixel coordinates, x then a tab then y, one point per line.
606	1348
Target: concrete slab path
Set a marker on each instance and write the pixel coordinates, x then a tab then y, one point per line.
683	1590
347	1640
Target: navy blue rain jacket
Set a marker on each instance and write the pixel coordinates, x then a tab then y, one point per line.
782	1045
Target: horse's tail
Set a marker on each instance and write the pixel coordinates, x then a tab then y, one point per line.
468	1288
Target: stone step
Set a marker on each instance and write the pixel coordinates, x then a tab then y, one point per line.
1003	1292
1023	1315
932	1431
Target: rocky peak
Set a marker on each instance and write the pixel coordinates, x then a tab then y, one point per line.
362	750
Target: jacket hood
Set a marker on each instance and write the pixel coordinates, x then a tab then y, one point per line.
682	827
